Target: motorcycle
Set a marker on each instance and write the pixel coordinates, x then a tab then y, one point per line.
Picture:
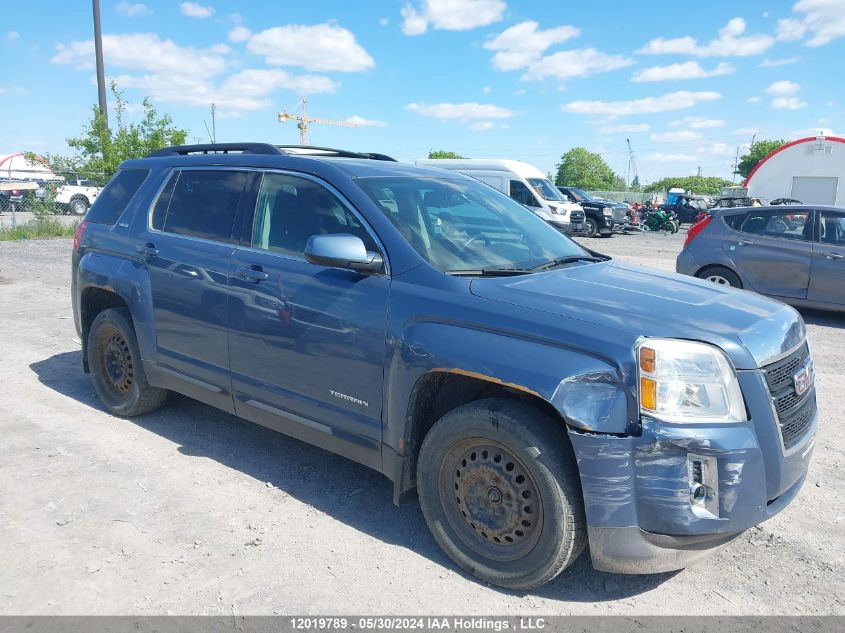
660	220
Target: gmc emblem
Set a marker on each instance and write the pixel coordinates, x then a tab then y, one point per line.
803	380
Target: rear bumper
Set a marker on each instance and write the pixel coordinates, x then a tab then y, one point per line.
686	264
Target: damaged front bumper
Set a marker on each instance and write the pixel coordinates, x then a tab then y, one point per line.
644	511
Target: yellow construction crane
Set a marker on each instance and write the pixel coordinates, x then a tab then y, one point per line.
304	120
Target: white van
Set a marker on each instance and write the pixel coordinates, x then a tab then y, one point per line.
524	183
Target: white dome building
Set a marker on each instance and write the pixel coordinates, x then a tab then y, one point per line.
811	170
18	167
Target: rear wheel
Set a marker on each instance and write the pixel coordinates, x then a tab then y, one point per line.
116	369
721	276
500	492
78	206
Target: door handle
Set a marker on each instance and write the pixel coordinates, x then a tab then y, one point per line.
252	274
833	256
147	250
745	243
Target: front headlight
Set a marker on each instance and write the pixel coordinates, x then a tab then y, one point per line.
607	211
684	381
557	210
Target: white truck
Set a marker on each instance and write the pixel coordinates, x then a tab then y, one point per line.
76	196
525	184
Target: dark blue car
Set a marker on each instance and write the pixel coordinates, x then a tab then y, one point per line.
539	397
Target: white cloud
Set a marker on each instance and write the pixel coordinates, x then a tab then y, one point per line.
240	34
783	88
12	37
130	9
245	90
194	10
774	63
575	63
731	42
813	131
522	44
753	99
660	157
648	105
487	90
823	19
698	123
362	122
683	70
383	21
460	111
636	127
679	136
450	15
321	47
482	126
788	103
746	131
790	30
145	52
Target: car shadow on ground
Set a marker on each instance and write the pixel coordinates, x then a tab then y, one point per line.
824	318
342	489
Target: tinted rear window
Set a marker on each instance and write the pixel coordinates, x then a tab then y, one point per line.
114	197
203	204
734	220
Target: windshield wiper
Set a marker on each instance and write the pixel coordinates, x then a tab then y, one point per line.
562	261
491	272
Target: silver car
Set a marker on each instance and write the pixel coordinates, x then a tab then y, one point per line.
793	253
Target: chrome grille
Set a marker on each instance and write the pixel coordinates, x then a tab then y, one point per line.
794	412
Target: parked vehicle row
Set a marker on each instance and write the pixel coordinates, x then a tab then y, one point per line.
532	392
75	196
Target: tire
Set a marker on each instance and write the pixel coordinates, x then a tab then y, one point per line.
592	228
78	206
721	276
116	368
516	519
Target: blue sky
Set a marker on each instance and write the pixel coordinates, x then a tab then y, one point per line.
687	82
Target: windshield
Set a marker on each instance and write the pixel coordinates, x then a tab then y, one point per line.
546	190
581	194
465	225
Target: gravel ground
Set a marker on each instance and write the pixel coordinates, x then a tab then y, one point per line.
191	511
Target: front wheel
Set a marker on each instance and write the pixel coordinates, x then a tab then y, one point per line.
592	228
500	492
116	368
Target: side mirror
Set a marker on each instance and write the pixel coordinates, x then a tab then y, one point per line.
342	251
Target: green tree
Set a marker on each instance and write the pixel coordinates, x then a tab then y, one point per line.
757	152
635	184
703	185
587	170
102	148
442	153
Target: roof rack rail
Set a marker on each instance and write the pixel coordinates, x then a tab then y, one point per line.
217	148
331	151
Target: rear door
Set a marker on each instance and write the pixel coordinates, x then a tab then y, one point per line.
187	247
827	277
773	250
307	342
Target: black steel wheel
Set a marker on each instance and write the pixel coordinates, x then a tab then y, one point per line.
115	363
500	492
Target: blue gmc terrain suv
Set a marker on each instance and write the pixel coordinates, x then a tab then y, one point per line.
533	393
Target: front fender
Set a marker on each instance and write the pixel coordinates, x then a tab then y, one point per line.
587	391
129	280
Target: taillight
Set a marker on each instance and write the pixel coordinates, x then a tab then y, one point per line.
697	228
77	235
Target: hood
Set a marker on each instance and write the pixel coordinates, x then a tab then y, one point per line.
566	206
750	328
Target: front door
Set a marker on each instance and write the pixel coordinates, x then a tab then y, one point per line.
188	248
827	277
307	342
773	251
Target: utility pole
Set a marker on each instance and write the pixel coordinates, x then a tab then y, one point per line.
98	53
